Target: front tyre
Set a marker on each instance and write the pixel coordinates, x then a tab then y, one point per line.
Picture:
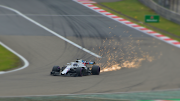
55	70
95	70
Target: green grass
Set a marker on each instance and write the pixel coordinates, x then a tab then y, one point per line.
8	60
135	9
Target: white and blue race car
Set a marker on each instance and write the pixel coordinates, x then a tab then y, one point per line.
77	68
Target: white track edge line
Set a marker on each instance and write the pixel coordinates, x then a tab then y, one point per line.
45	28
122	22
26	63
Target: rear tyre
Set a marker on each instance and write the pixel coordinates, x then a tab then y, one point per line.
79	71
55	70
95	70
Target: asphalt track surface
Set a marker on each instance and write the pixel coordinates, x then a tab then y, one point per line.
88	29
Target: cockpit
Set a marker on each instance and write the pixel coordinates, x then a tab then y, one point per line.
75	64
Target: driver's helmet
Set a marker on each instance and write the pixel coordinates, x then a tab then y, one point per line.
75	64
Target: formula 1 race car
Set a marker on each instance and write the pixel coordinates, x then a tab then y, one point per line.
78	68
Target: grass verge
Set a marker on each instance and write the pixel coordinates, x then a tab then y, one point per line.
136	10
8	60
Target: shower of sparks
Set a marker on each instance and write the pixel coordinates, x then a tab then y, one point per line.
122	53
113	66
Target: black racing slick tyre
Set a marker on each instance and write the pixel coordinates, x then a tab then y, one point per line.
79	71
95	70
55	70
